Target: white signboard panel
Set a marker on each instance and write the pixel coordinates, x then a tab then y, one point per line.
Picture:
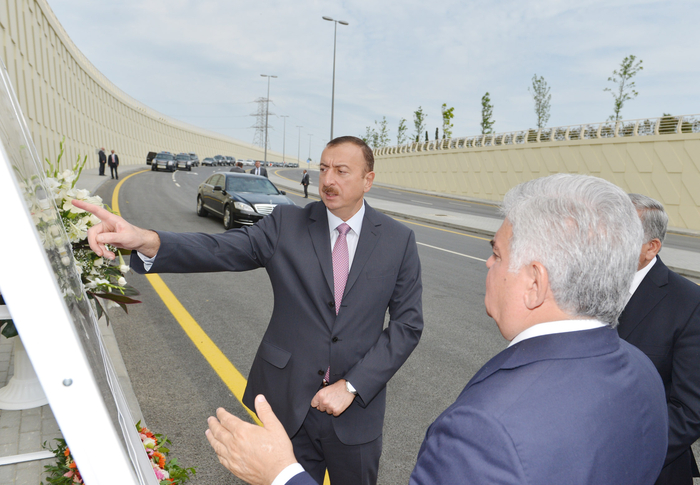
43	291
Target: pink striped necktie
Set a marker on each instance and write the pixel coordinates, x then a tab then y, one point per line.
341	268
341	264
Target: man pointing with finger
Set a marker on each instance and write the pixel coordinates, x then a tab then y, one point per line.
327	354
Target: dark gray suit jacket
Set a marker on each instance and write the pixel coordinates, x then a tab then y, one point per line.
662	319
304	335
263	171
577	408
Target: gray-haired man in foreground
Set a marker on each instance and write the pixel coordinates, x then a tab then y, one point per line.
568	401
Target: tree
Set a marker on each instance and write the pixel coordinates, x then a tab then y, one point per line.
540	91
382	133
401	132
437	132
487	120
447	115
426	135
419	122
624	91
371	137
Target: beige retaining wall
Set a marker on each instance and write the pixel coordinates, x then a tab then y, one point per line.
63	95
665	167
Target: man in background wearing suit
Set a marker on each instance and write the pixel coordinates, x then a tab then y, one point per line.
662	319
238	167
568	402
103	161
113	164
258	170
327	355
305	183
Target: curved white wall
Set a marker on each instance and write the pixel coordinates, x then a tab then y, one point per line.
63	95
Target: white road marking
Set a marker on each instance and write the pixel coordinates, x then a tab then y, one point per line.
451	252
419	202
177	184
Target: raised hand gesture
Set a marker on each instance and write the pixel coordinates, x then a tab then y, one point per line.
116	231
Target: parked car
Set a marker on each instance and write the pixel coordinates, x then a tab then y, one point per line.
165	161
195	159
209	161
184	161
150	157
230	161
238	198
220	160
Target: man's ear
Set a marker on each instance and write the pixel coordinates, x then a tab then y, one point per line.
537	285
654	248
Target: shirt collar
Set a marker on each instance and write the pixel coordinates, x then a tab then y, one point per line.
355	222
560	326
639	276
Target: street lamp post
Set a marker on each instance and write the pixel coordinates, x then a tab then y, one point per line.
284	134
267	110
335	34
310	135
299	144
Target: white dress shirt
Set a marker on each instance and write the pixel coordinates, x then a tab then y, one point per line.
560	326
639	276
353	236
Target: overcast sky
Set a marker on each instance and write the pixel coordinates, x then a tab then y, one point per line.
200	61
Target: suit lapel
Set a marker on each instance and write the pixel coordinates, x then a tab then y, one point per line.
369	236
321	240
650	292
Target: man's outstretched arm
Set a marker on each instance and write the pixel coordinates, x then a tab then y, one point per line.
116	231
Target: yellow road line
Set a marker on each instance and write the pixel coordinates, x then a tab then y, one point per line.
233	379
441	229
115	195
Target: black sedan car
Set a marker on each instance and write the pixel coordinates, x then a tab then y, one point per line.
165	161
239	198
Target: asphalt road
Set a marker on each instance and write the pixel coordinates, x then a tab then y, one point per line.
178	390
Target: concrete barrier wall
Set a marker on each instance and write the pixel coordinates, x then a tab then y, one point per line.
665	167
63	95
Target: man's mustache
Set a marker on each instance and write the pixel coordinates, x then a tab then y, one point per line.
330	190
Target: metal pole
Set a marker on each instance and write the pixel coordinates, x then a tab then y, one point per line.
335	34
310	135
284	134
299	144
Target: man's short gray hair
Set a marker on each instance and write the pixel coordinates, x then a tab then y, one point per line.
586	233
653	215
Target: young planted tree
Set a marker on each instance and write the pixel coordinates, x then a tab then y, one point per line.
419	122
371	137
437	132
540	92
401	132
487	120
624	89
447	115
382	133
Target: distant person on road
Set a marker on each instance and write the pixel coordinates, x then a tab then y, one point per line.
662	318
258	170
238	167
305	183
568	402
103	161
113	164
336	267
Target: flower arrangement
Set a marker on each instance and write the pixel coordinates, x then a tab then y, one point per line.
102	280
168	472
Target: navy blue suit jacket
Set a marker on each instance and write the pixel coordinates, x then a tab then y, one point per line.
662	319
572	408
304	335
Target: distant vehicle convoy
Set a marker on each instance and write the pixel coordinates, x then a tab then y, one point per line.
185	161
